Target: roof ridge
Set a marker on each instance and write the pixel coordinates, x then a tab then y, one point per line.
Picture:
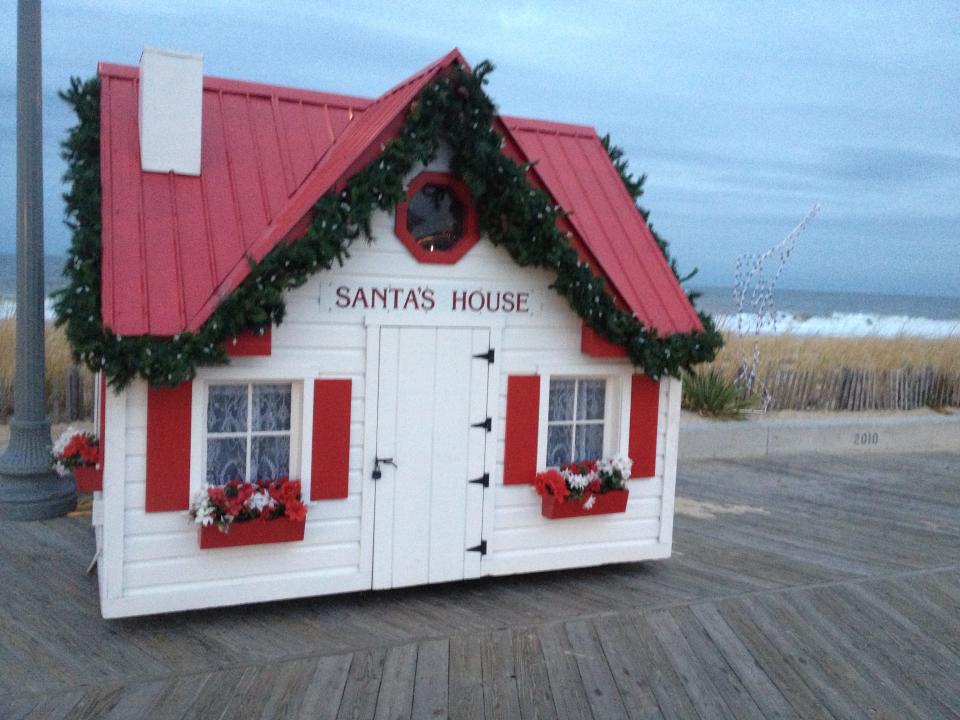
250	87
549	126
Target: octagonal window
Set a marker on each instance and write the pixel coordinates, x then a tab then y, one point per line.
437	221
435	218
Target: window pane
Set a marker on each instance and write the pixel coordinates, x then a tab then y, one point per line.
590	397
558	444
226	460
271	407
227	408
435	217
589	442
270	458
561	399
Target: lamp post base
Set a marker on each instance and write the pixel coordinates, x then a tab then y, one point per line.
29	487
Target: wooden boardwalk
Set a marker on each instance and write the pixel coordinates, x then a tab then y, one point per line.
800	587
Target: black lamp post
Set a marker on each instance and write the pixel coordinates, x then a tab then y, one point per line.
29	489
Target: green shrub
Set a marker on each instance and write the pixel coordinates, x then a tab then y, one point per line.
711	395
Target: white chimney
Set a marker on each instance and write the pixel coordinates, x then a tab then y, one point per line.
171	99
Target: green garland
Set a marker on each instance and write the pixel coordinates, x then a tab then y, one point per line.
512	214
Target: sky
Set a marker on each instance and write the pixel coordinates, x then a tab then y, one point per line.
742	115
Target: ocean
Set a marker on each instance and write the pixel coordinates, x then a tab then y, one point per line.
849	314
796	312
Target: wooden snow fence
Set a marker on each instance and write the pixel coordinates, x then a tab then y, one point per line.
846	389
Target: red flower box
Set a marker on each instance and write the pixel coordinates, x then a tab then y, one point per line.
253	532
89	478
612	501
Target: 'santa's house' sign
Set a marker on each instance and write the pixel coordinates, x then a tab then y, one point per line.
367	296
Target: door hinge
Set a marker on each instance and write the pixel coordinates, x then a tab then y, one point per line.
481	548
482	480
485	424
488	356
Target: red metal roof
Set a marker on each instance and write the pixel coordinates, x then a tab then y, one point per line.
575	168
174	246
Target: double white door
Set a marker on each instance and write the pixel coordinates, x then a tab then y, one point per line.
432	435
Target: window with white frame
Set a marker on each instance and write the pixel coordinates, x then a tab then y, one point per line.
249	431
576	418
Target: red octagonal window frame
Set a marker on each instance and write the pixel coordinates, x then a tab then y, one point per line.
470	233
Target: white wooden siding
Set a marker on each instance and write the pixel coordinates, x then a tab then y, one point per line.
151	562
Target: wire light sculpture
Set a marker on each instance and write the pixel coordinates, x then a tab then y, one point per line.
753	292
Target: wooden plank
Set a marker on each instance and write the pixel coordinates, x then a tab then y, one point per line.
323	693
53	707
667	684
735	694
430	694
533	681
466	679
395	700
363	683
598	683
500	694
808	659
757	683
882	695
696	681
636	678
563	673
775	660
179	696
894	661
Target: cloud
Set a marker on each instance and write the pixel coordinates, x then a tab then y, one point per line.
741	115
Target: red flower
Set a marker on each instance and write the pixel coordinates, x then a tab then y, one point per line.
295	510
544	482
231	498
82	448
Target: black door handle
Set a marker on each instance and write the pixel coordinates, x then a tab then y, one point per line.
377	474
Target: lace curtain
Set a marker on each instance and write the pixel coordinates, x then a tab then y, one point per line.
575	420
248	428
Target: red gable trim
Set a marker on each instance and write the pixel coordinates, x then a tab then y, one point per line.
595	345
250	344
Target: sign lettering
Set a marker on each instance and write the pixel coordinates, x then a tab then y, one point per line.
436	298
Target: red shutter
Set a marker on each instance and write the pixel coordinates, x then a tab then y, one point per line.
168	447
331	439
644	416
523	424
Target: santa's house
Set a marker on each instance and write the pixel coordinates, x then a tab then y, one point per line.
371	343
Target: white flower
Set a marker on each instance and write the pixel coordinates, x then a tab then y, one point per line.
624	466
574	481
260	500
202	510
65	437
591	501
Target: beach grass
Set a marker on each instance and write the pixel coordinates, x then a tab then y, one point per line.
796	352
846	374
58	362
